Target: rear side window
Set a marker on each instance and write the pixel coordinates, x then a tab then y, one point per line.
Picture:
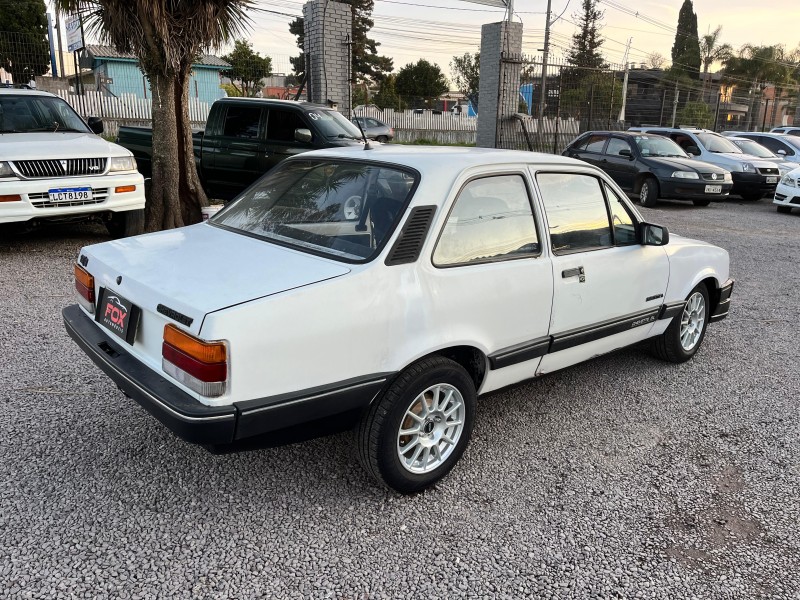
576	212
491	220
282	123
242	121
593	143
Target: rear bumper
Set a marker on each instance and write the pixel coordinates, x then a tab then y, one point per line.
215	425
724	304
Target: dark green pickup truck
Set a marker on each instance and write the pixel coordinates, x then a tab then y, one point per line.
245	137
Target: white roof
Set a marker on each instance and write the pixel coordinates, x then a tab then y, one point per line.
4	91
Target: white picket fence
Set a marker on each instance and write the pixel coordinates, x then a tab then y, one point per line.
408	119
125	107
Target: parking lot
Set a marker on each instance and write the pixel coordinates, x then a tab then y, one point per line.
623	477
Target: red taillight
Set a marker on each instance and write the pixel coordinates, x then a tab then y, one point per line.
84	285
199	365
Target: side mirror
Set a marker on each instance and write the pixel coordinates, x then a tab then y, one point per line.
302	135
626	152
782	152
95	124
653	235
693	150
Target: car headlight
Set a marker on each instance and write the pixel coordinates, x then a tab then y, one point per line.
123	163
787	180
5	170
685	175
727	176
785	169
748	168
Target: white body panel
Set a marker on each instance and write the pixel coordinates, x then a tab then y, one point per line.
295	321
786	194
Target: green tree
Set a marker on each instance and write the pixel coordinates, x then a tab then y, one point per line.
247	67
421	81
586	42
686	48
167	36
712	51
368	65
387	94
466	71
24	50
697	114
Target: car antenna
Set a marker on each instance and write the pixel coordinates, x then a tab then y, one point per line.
367	145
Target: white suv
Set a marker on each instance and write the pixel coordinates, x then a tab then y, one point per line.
53	167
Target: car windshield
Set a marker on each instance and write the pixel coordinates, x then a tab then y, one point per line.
650	145
754	149
717	143
334	125
342	209
28	113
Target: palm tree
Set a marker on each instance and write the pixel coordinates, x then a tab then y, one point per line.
167	36
712	51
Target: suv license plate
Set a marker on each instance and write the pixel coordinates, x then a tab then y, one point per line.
713	189
70	194
117	314
772	180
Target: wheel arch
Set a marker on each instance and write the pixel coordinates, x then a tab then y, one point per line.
471	358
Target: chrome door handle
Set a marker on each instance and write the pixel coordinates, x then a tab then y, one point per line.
572	272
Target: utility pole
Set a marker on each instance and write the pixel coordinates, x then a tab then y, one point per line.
675	103
625	82
543	95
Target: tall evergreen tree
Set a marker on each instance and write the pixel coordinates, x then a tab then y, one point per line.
586	42
686	49
368	65
24	52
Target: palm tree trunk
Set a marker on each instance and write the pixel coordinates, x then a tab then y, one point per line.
192	195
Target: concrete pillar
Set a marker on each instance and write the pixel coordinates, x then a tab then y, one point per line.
327	27
501	60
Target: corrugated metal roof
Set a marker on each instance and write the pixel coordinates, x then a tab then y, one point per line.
99	52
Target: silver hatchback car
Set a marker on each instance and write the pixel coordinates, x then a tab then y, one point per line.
374	129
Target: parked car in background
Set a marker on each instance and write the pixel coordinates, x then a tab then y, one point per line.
651	166
786	130
785	146
246	137
752	177
343	284
54	167
787	194
375	130
755	149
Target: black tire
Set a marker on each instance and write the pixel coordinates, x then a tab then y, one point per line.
648	193
701	202
126	224
752	196
668	345
378	434
382	139
784	209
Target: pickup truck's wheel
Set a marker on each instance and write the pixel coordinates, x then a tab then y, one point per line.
415	433
648	193
684	335
126	224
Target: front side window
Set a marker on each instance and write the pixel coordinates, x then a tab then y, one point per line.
576	212
491	220
346	210
281	124
242	121
621	219
616	145
25	114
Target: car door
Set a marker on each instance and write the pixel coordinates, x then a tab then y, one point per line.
619	166
491	283
608	288
280	141
234	149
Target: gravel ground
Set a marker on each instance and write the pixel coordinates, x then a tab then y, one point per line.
622	478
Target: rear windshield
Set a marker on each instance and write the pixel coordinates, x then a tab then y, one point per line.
29	113
345	210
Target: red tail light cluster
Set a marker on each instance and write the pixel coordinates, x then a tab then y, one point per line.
84	285
199	365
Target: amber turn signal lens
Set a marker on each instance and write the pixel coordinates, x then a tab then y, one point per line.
207	352
83	277
121	189
10	198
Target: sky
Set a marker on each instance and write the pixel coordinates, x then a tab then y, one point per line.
437	30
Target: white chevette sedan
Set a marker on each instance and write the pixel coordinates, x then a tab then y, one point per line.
390	287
